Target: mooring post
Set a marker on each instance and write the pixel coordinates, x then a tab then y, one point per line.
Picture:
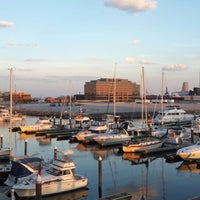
1	141
100	176
55	153
192	135
38	188
25	147
12	194
60	121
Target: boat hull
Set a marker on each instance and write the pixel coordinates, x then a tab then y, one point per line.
52	188
141	147
112	141
190	153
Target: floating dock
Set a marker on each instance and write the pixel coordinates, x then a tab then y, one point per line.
118	196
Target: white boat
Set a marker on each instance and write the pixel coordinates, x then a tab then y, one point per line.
116	137
5	153
40	125
4	113
58	178
174	114
141	145
5	168
191	152
82	121
15	117
95	129
23	169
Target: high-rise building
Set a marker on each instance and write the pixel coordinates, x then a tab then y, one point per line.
185	87
107	88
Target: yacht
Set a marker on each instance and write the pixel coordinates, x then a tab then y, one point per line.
59	177
115	137
191	152
174	114
40	125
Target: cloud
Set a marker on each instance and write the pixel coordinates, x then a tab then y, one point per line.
34	60
6	24
147	62
130	59
13	44
132	6
175	67
135	42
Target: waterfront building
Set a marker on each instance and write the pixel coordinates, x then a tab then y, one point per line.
103	89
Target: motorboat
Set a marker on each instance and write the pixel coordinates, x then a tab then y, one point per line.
5	168
82	121
59	177
5	153
174	114
23	169
40	125
191	152
4	113
95	129
142	144
115	137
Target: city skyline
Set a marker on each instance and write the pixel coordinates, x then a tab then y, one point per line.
55	47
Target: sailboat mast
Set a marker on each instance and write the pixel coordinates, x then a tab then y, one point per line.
162	96
114	93
10	140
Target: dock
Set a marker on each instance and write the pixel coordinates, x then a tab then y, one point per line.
118	196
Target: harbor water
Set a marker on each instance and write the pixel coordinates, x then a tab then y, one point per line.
151	178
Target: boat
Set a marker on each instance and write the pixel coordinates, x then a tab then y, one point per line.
41	124
191	152
95	129
5	168
59	177
174	114
4	113
23	169
142	144
5	153
115	137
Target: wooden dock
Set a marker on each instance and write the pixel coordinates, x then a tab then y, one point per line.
118	196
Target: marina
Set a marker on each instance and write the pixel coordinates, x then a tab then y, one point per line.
150	176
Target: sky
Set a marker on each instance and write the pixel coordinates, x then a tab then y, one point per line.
54	47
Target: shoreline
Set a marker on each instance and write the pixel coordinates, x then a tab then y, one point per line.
97	110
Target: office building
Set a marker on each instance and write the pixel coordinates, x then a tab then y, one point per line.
122	90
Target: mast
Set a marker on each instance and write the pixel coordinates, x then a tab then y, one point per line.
162	97
114	92
10	138
70	106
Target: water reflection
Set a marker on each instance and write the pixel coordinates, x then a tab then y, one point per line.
98	151
189	166
75	195
138	158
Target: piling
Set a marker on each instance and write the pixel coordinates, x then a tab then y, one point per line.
192	135
12	194
25	147
38	195
100	176
55	153
1	141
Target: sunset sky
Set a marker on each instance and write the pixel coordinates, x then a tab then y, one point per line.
54	47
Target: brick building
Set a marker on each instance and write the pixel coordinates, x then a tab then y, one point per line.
103	89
